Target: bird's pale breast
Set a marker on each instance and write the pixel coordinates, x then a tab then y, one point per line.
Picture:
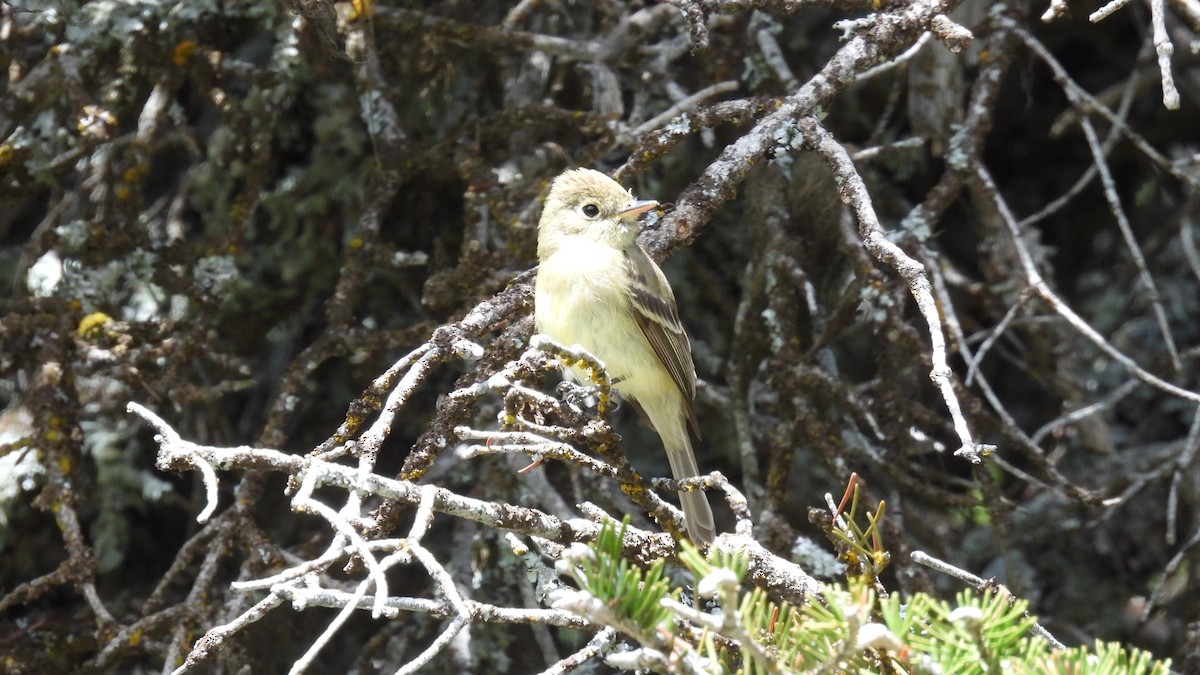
593	312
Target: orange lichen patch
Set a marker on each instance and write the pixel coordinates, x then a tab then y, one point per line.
183	52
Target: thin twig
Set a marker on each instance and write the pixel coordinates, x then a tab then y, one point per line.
1039	286
854	191
980	584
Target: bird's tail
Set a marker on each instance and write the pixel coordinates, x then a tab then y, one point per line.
696	511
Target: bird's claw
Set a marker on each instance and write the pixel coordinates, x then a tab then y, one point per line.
587	398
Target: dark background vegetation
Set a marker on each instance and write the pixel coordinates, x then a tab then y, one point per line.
255	208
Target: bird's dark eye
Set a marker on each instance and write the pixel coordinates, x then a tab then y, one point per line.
591	210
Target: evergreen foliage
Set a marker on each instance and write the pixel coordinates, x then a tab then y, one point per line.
849	629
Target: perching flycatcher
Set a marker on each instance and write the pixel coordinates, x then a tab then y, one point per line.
598	289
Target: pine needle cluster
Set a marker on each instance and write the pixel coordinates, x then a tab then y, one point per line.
853	627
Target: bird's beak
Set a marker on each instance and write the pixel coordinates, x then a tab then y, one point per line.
637	208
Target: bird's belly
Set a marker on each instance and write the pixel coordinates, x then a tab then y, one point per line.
596	317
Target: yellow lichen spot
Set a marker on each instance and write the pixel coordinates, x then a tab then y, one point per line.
75	304
135	637
133	174
96	123
6	153
183	52
984	55
90	325
356	243
64	465
632	490
360	9
129	178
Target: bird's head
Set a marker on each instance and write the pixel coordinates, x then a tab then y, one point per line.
583	202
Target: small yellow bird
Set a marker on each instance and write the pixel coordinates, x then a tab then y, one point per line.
598	289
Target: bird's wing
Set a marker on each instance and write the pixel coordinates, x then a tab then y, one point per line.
653	308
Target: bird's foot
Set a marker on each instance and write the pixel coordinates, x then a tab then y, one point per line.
585	398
